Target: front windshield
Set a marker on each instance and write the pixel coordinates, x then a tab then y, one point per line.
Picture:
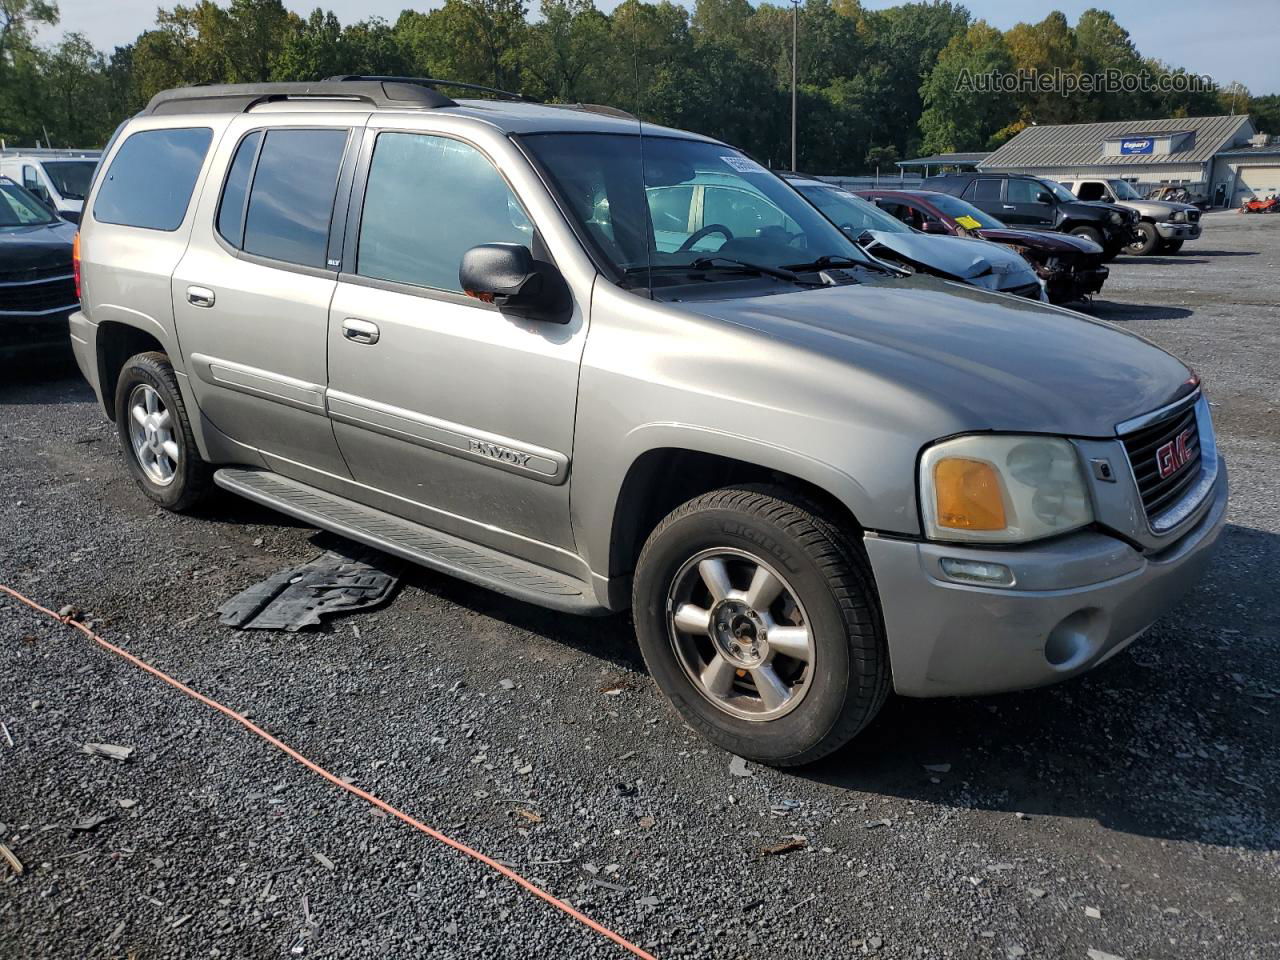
1123	191
955	208
1059	191
71	178
694	203
851	214
18	208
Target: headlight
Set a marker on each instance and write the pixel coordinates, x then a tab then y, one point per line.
1002	489
1179	215
1117	217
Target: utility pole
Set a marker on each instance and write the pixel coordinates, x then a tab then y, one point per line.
795	45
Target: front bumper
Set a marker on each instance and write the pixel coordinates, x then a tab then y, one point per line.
28	333
1169	230
1076	601
1066	285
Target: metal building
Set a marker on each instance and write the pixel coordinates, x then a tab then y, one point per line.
1221	158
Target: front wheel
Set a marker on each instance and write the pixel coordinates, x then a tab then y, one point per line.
1145	242
156	436
1171	246
758	618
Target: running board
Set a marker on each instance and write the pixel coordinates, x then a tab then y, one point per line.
414	542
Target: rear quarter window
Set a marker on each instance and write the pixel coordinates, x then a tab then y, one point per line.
151	177
292	193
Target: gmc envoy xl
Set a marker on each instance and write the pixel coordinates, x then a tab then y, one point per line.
445	328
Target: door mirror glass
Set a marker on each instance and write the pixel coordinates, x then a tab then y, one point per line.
1044	197
508	276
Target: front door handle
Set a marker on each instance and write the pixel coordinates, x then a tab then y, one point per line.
1008	206
360	331
200	296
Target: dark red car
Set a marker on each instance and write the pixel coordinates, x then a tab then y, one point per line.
1071	267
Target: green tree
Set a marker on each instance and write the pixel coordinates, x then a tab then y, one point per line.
312	50
73	92
1044	49
254	33
956	115
563	51
17	19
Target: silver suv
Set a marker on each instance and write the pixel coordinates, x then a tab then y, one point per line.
515	343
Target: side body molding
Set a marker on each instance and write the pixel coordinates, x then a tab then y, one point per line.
493	450
242	378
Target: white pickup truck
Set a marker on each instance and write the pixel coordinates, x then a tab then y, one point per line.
1164	225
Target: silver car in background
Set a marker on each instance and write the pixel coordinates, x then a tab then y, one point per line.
972	260
452	330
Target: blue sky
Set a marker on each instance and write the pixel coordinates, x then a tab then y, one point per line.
1232	40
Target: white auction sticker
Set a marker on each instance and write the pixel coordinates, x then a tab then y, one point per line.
742	164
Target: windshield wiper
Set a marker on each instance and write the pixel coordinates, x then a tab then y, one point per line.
827	260
723	263
718	264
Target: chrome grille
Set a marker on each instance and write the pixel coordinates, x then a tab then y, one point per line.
1154	453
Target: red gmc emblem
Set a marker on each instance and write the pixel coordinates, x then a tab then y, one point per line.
1173	456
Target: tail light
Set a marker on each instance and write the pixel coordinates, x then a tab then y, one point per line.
75	261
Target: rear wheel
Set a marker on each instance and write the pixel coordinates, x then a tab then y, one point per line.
155	434
1146	240
758	619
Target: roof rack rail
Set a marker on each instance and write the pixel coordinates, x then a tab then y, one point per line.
432	83
241	97
601	108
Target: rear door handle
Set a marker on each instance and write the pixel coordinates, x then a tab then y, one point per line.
200	296
360	331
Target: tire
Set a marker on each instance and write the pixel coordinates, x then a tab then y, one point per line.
148	377
1147	243
1172	246
826	587
1089	233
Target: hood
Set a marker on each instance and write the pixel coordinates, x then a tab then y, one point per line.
989	361
1055	244
962	258
1084	207
44	245
1157	209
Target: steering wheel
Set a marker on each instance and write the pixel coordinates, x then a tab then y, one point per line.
706	231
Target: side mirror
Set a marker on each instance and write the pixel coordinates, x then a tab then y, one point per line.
934	226
508	276
1044	196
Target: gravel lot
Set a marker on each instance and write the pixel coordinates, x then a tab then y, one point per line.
1135	811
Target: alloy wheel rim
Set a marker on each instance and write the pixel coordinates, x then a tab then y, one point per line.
740	634
151	432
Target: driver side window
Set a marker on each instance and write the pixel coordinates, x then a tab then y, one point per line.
745	214
1025	191
1091	191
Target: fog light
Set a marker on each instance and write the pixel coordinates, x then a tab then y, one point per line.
978	571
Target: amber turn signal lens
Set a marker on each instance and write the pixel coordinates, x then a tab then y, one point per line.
75	261
969	495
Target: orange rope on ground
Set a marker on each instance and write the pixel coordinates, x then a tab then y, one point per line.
337	782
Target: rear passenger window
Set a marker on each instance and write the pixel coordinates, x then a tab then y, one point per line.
981	190
151	177
236	191
429	200
291	199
